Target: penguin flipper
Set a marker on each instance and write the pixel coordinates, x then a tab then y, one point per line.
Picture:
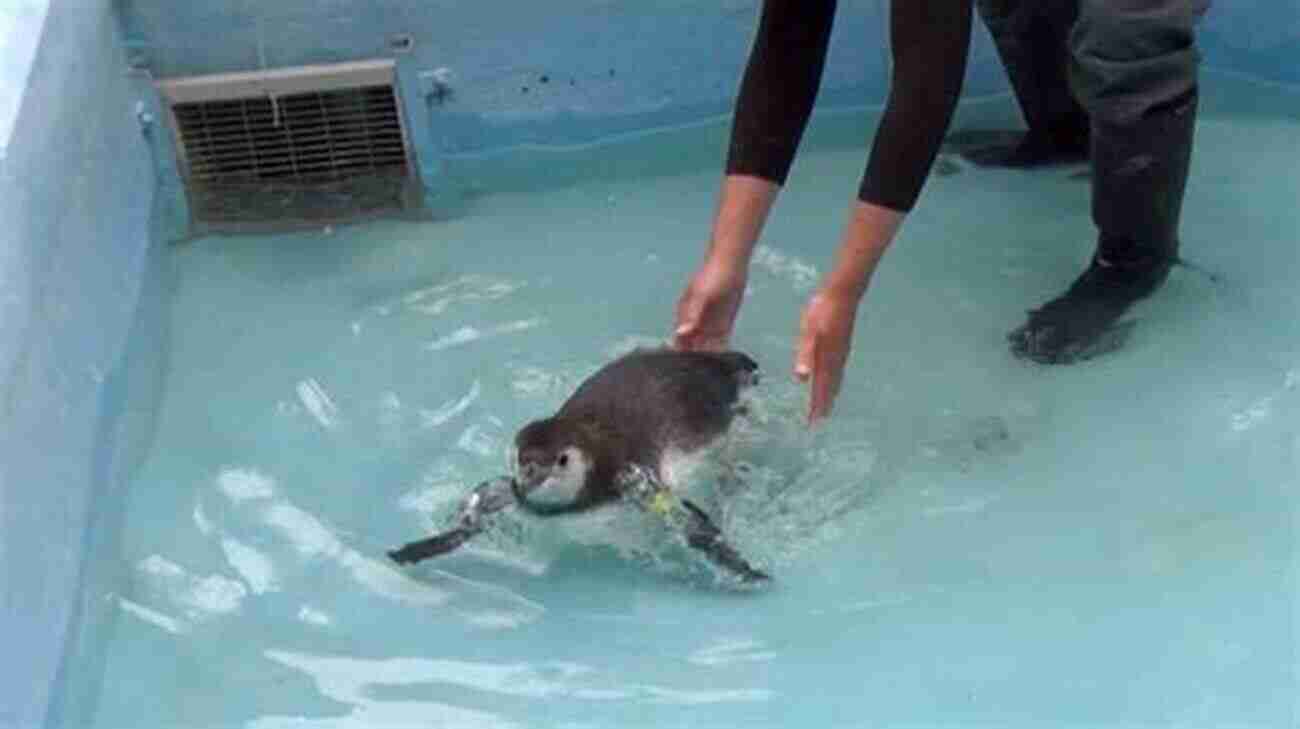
700	532
431	547
704	535
487	498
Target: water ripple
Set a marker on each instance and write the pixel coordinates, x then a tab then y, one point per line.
467	334
353	682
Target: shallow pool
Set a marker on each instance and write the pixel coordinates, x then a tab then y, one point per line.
972	541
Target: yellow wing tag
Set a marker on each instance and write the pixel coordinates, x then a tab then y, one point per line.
661	503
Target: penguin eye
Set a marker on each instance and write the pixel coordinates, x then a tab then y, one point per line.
564	460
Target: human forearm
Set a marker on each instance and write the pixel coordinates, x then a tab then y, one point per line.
707	309
743	206
867	234
826	328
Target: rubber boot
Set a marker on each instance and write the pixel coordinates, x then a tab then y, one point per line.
1139	175
1032	45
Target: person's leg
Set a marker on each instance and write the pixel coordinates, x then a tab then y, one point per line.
1031	39
1135	71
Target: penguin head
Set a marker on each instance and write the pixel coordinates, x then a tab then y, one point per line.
552	462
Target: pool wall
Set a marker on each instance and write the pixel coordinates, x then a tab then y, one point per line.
83	188
76	191
558	73
563	71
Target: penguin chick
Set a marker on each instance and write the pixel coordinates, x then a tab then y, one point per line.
609	441
631	414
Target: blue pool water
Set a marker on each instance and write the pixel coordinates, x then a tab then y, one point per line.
1124	556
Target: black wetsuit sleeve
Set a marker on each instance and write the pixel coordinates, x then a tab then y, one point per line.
930	40
779	87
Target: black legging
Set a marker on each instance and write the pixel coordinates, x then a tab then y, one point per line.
930	40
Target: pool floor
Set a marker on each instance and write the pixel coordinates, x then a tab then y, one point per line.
1124	556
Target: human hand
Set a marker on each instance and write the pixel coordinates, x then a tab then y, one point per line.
825	335
707	309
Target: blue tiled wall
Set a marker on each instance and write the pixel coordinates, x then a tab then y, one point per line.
558	71
576	70
1259	38
561	72
609	65
75	190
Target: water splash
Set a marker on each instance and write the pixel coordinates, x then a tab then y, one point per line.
800	275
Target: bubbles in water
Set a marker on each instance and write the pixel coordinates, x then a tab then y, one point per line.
801	276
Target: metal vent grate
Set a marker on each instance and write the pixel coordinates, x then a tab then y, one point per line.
311	137
307	145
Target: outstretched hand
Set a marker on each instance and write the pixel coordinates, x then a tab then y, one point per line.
825	336
707	309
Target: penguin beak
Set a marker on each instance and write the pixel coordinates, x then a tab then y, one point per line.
532	474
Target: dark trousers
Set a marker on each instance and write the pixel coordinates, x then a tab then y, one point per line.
1125	70
1117	59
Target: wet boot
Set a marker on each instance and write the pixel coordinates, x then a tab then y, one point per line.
1139	174
1035	54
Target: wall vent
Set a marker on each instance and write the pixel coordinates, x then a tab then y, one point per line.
292	147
